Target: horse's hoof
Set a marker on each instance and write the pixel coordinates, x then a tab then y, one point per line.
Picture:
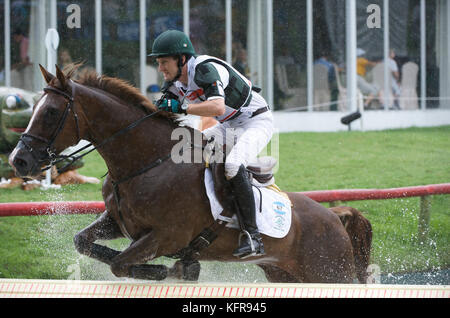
176	271
191	270
119	270
186	270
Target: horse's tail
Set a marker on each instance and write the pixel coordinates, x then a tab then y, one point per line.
360	231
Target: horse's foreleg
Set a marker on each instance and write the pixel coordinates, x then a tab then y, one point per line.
183	269
104	228
131	262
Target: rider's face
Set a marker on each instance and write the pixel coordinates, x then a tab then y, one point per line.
168	66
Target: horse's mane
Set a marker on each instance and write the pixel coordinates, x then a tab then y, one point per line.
114	86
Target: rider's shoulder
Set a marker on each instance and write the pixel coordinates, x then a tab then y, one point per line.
205	70
198	59
202	60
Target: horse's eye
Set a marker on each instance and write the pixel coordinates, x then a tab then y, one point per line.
50	116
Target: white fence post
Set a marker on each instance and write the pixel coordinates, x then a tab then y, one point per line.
51	43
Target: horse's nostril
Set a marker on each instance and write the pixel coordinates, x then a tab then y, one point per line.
19	163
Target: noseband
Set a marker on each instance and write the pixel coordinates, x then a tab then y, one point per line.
51	155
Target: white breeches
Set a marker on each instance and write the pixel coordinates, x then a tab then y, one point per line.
244	139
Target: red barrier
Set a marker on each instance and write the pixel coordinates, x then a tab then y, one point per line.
51	208
17	130
95	207
377	194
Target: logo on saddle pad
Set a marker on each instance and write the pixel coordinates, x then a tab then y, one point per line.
280	210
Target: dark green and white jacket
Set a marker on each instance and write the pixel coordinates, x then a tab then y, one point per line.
210	78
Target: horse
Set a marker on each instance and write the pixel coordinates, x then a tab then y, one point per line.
161	206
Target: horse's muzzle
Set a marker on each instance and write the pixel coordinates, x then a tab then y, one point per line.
24	163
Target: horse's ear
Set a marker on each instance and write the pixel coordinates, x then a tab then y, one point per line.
47	75
61	77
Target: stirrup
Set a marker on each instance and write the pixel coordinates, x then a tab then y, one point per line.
253	251
249	237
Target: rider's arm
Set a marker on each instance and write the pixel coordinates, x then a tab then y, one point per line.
208	78
208	108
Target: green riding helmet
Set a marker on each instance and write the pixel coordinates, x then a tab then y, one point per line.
172	42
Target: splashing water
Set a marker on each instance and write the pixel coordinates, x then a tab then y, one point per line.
212	272
56	233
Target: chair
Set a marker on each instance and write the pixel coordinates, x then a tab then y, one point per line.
378	80
288	76
342	97
322	93
408	92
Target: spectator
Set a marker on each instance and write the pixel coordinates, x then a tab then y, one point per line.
367	89
21	71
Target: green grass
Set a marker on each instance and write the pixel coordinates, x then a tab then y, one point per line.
395	158
41	246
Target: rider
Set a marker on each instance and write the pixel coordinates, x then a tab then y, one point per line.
207	86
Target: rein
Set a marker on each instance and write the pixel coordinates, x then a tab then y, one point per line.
104	142
54	159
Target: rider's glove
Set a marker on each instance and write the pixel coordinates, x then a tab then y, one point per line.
170	105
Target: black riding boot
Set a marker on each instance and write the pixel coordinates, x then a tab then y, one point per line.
250	242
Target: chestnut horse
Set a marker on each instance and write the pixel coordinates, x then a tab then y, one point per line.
162	206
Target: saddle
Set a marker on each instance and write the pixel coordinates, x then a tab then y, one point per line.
260	170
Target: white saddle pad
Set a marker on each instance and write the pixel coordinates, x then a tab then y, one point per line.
273	221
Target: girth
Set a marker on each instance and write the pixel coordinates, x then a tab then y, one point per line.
200	242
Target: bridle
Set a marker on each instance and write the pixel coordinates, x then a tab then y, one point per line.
51	152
